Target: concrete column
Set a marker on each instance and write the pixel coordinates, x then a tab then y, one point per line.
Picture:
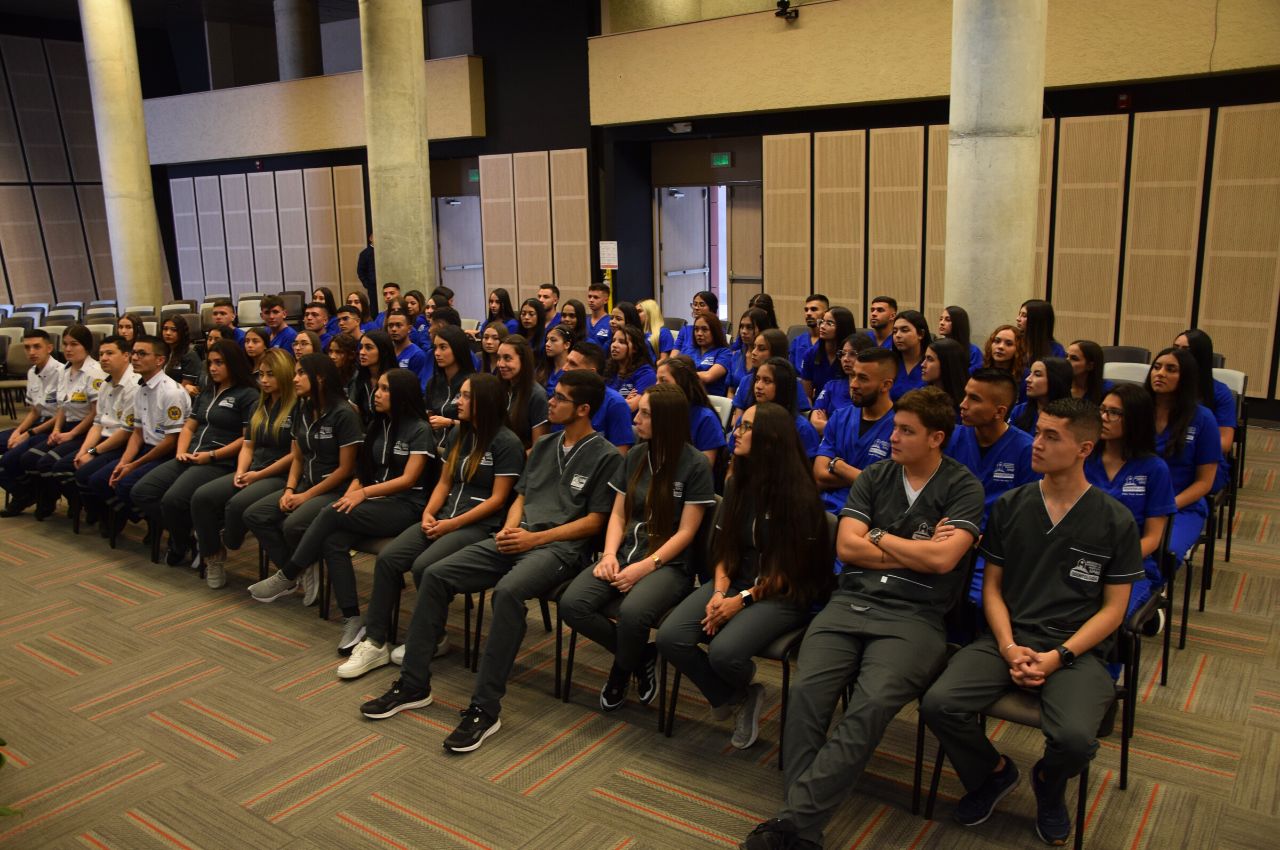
993	156
111	54
395	120
298	39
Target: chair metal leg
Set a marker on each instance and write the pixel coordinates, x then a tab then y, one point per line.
1189	568
1231	522
1167	637
1206	566
546	614
559	650
111	524
918	771
568	665
933	784
1129	708
262	563
323	578
782	715
671	706
154	533
1080	805
662	694
475	647
467	605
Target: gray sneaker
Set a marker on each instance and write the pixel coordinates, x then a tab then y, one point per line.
746	727
310	579
364	657
442	646
352	634
215	573
272	587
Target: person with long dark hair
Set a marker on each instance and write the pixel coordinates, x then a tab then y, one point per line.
946	366
768	343
533	326
184	364
557	347
526	400
77	396
704	303
857	435
1125	466
573	318
1187	439
1048	380
823	360
256	342
344	351
306	342
910	341
130	328
415	305
624	313
1035	323
706	432
954	324
763	302
1213	394
377	355
1087	361
630	371
711	353
453	366
776	382
772	564
490	338
360	301
208	446
750	324
663	488
501	309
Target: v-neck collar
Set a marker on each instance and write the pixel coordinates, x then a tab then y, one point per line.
1044	505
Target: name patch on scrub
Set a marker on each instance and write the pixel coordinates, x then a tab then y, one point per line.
227	402
79	397
578	482
324	432
879	448
922	532
486	459
1134	485
1087	570
677	490
1191	434
400	448
1004	471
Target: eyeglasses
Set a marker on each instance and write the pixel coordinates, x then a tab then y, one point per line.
697	305
848	355
743	426
1111	412
831	323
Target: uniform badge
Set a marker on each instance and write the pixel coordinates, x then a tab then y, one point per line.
174	411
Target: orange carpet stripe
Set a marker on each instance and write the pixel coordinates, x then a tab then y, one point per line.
387	801
1097	798
131	703
1155	677
268	633
102	591
315	795
30	550
368	739
654	813
1268	694
1135	751
309	694
552	775
1146	815
767	757
138	587
28	824
14	561
542	644
327	666
245	645
528	674
135	816
26	801
55	616
208	615
89	839
1235	606
10	755
422	718
188	733
182	614
1204	660
37	611
371	832
118	691
228	721
749	817
870	827
77	648
922	833
1265	709
1245	636
1183	743
548	745
623	843
44	659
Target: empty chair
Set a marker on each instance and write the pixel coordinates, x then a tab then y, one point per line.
103	329
32	317
194	331
100	314
141	309
62	317
1133	373
152	326
42	306
249	311
1125	354
794	332
293	305
174	309
104	302
674	325
1219	360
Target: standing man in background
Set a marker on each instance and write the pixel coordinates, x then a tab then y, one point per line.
364	268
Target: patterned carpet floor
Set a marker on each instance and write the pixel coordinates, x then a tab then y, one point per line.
143	710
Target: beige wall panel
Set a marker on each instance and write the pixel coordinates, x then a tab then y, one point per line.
870	52
310	114
1166	181
839	210
570	222
21	243
787	224
1091	163
36	111
532	192
498	222
64	243
265	227
213	242
12	168
186	233
292	214
896	182
71	85
746	234
235	221
1240	285
935	223
1047	133
322	234
348	194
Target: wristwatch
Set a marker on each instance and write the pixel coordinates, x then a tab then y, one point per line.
746	598
831	465
657	562
1068	657
875	535
92	451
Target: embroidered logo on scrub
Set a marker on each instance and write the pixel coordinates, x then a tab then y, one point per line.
1087	570
923	532
1134	485
578	482
1004	471
879	448
677	490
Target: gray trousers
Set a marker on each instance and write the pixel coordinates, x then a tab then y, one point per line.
165	495
280	532
889	660
332	533
724	670
411	551
218	508
515	579
1072	703
642	608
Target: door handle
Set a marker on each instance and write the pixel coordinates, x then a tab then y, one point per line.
679	272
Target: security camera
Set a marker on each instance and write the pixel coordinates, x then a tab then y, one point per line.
786	12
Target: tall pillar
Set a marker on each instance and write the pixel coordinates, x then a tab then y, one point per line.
111	54
395	120
993	156
298	39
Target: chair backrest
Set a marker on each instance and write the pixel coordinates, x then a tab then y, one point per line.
206	317
19	320
6	310
105	302
293	305
249	311
1236	381
65	317
724	408
35	307
55	335
700	559
13	336
1125	354
1132	373
674	325
1219	360
471	324
104	329
173	310
152	326
100	316
16	362
794	332
36	316
210	297
194	331
141	309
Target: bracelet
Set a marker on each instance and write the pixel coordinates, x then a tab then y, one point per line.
722	593
290	489
1010	645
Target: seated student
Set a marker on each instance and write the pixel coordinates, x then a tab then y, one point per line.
500	310
763	302
326	439
533	326
206	450
910	341
408	355
703	303
661	343
274	318
772	557
384	497
129	327
453	367
1048	380
526	401
1003	351
223	313
315	318
946	367
43	379
482	460
752	322
1213	394
1187	439
597	328
184	364
112	423
815	307
344	351
663	487
1061	556
823	361
706	432
377	356
349	321
834	396
1035	323
775	382
416	306
613	416
360	301
573	318
306	342
218	507
905	529
160	412
881	314
710	353
556	351
1087	362
954	324
53	463
549	296
1124	465
630	371
857	436
562	501
324	295
768	343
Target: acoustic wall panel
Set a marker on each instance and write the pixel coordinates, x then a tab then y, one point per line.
23	247
896	181
235	223
186	233
787	224
322	233
1241	280
498	222
532	192
935	216
37	114
570	223
1047	134
64	243
1086	256
348	194
75	107
839	207
1166	182
213	239
291	206
265	228
94	215
13	167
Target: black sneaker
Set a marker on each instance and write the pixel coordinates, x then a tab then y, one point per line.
646	676
476	725
175	558
395	701
773	834
1053	823
614	692
976	806
17	504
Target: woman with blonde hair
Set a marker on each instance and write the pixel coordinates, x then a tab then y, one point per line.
655	328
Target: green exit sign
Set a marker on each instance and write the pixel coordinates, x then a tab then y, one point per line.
473	175
722	159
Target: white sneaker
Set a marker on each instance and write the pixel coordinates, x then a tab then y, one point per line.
397	655
310	579
352	634
746	727
442	646
364	657
215	573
